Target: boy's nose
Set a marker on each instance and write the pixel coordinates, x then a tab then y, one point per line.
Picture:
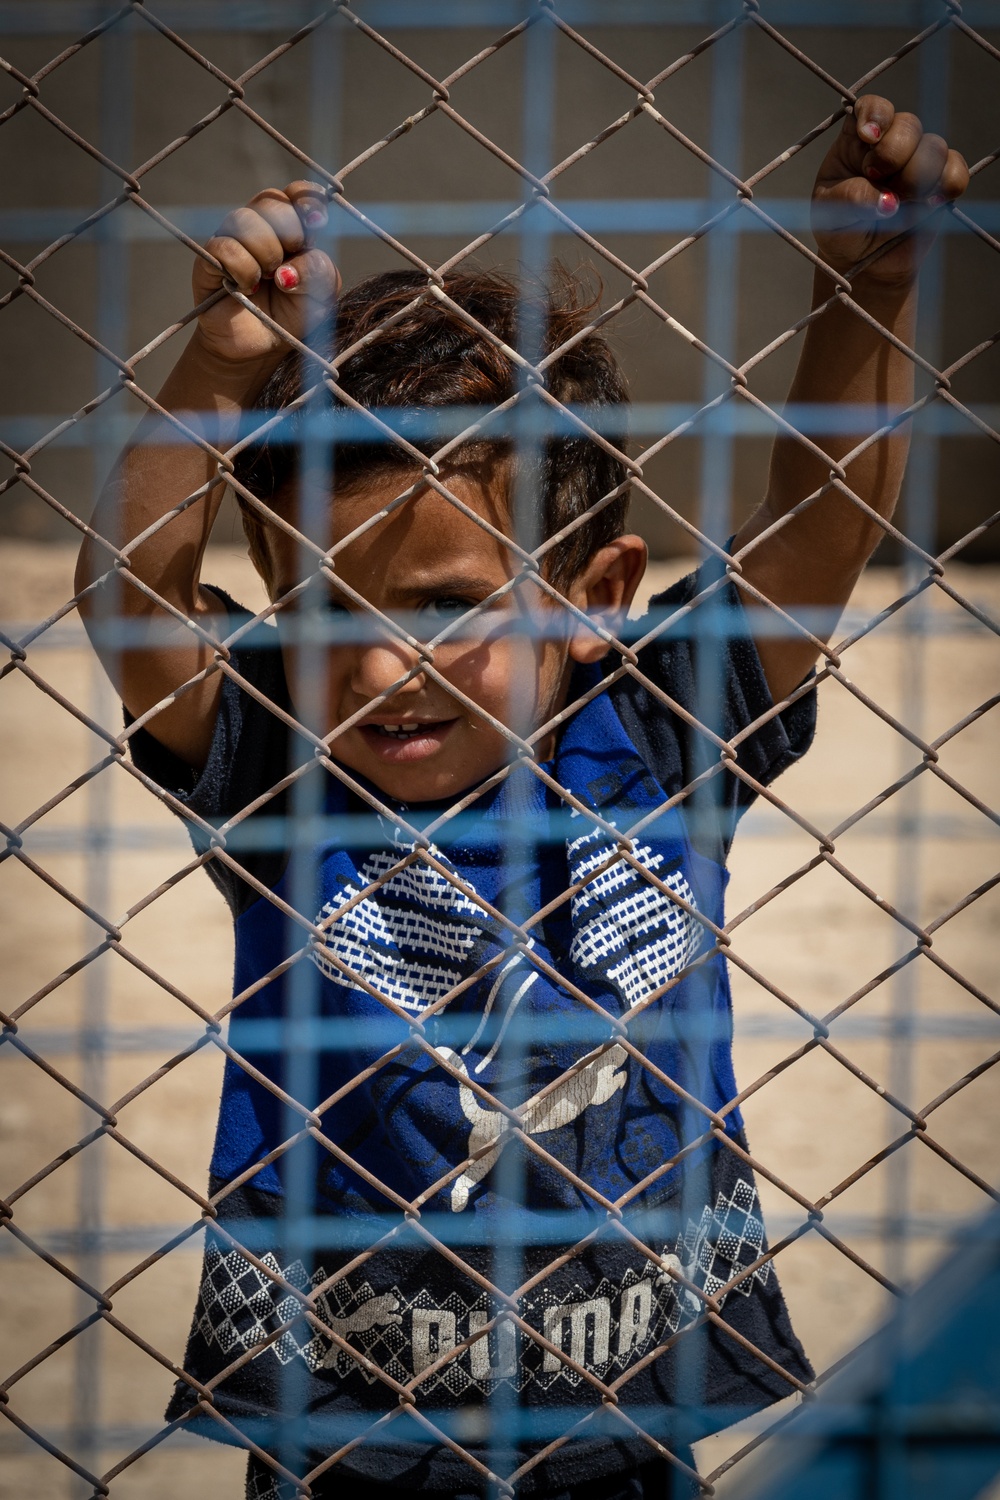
379	665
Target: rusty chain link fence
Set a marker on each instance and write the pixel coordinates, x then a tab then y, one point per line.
860	928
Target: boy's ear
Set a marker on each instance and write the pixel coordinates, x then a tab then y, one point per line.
604	589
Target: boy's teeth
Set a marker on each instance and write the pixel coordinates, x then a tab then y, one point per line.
400	731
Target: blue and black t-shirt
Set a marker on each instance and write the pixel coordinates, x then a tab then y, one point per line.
495	1055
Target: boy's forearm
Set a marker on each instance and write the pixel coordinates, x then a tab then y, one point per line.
159	469
844	362
155	473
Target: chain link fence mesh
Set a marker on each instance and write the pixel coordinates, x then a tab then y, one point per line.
851	982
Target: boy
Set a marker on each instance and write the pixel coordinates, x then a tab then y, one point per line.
513	978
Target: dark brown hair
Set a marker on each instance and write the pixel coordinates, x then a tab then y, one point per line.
431	358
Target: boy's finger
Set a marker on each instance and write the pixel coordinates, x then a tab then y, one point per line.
237	262
873	116
892	152
954	177
853	203
923	170
311	274
256	234
275	209
310	202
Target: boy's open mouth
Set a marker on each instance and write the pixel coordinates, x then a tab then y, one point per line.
403	740
399	731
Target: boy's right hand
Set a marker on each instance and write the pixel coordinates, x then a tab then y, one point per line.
265	250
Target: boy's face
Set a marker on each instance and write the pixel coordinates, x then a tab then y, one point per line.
424	566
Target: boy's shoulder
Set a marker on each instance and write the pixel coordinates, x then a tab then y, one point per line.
698	681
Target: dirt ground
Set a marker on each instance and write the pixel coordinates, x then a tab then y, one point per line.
819	940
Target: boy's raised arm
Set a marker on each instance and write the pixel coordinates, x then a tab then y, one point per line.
264	249
880	160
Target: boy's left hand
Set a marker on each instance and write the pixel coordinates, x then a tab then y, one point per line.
879	162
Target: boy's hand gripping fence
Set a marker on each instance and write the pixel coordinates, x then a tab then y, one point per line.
305	1307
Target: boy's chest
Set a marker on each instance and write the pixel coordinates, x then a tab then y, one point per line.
453	1019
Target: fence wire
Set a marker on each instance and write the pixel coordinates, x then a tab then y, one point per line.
303	1310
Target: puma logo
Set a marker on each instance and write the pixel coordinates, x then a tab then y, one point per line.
595	1084
374	1311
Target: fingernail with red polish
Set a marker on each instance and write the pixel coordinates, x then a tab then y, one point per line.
314	217
936	199
287	277
873	131
887	205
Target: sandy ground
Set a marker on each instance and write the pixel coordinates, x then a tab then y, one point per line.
811	1124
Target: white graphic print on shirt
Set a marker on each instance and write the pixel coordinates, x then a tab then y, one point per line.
399	944
371	936
409	942
604	1329
627	924
594	1084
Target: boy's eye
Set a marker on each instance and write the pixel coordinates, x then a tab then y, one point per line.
449	608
